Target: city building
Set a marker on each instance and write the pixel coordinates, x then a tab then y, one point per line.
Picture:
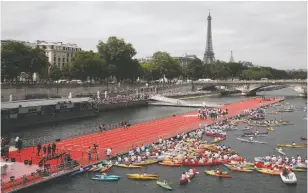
144	60
209	55
185	60
58	53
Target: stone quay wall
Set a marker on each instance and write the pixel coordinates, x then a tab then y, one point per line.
20	91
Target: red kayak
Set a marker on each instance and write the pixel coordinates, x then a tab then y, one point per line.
261	165
185	180
303	138
205	164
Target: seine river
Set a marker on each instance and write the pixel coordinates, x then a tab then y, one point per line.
240	183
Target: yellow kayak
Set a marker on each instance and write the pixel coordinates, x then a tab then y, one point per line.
142	177
268	171
148	162
298	170
270	129
218	140
128	166
290	145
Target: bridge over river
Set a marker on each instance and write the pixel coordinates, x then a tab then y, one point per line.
250	87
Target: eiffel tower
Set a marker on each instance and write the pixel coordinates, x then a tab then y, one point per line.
209	55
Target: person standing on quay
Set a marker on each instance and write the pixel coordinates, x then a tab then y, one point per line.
89	154
44	149
39	147
48	151
16	141
19	145
53	148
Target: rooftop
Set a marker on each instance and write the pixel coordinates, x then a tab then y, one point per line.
39	102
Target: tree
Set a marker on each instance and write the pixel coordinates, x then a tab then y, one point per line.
195	69
166	65
55	73
117	53
87	64
16	58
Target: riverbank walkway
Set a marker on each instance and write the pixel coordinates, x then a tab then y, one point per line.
121	140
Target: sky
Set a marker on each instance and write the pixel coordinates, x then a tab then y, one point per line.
265	33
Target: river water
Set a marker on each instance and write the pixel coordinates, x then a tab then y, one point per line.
240	182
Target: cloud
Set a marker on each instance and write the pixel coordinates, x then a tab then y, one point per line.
265	33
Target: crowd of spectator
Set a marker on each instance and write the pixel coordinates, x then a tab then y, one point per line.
119	99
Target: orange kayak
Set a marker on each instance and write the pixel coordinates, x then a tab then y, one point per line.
105	169
171	164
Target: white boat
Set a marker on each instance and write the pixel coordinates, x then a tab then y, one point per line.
250	141
280	151
290	179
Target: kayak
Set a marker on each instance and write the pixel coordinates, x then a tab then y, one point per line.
171	164
98	168
241	169
281	152
185	180
148	162
163	185
254	135
206	163
128	166
107	168
138	175
111	176
79	172
290	179
142	177
290	146
270	129
249	141
269	171
105	178
213	173
299	170
247	164
218	140
303	138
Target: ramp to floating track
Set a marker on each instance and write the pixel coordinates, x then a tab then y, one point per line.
165	101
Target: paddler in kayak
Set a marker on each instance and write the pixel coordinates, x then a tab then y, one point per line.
251	138
293	143
183	176
191	172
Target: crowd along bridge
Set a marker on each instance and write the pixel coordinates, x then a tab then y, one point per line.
250	87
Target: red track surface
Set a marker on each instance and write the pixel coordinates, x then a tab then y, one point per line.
121	140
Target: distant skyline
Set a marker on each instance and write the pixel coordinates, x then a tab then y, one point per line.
265	33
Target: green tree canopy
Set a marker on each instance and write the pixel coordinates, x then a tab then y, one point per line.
16	58
117	53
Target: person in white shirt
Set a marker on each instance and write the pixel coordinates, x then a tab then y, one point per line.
108	152
142	148
119	159
16	140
